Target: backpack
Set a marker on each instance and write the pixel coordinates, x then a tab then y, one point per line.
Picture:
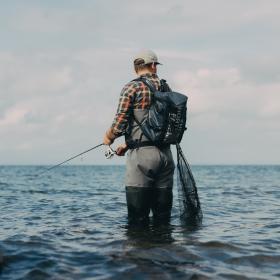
166	120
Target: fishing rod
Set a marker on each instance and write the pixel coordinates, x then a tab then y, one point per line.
110	154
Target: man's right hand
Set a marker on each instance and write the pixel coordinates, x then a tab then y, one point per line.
106	140
109	137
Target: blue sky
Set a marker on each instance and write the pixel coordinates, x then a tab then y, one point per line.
63	64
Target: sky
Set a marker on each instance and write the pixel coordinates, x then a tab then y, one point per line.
64	63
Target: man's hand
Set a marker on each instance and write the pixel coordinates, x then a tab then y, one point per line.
121	150
106	140
109	137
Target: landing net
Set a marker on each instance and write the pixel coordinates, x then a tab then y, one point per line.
189	205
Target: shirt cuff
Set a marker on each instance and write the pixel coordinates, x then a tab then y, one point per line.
110	134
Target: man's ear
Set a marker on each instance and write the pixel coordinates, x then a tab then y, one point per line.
154	67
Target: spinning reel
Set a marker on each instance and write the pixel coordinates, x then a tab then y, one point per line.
109	153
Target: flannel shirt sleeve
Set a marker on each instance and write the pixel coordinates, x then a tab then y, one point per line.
124	110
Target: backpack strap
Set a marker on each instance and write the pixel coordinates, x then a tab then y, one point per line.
164	87
152	89
147	82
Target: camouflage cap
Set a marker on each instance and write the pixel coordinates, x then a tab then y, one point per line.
147	56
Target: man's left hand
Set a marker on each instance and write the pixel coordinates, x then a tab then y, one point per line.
121	150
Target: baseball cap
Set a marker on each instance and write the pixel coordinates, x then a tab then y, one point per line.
147	56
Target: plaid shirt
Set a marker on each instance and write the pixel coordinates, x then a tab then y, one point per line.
135	95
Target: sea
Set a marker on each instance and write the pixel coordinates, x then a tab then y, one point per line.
71	223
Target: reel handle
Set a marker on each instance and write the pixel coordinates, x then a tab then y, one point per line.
109	153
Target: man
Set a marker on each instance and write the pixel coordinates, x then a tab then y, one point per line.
149	168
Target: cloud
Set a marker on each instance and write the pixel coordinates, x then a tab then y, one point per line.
51	100
13	116
261	69
63	64
176	23
230	119
225	92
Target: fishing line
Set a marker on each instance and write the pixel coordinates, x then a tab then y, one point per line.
50	168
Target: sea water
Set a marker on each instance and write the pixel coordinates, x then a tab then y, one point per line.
71	223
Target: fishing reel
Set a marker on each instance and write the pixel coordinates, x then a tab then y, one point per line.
109	153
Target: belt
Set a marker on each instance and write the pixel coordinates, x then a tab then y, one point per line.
137	144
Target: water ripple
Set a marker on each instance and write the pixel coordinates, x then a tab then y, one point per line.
71	224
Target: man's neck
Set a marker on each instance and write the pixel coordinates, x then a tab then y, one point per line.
144	72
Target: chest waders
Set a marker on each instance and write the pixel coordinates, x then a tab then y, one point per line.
149	176
140	200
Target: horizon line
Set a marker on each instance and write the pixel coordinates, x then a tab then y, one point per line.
193	164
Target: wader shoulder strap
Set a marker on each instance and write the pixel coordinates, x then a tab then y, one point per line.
152	88
139	123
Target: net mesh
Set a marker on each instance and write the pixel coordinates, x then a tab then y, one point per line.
189	204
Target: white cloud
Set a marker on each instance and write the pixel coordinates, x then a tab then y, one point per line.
224	92
62	66
13	116
57	99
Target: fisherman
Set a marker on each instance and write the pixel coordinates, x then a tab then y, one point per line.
149	167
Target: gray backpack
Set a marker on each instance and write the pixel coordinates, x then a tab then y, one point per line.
166	120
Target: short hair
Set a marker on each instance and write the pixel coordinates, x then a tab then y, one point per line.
139	64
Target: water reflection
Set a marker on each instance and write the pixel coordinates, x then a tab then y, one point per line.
149	233
154	252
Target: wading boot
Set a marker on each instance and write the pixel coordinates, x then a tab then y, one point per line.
138	204
162	204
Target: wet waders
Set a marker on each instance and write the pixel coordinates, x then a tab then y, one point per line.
140	200
149	181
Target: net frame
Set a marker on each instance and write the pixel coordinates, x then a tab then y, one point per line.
189	203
